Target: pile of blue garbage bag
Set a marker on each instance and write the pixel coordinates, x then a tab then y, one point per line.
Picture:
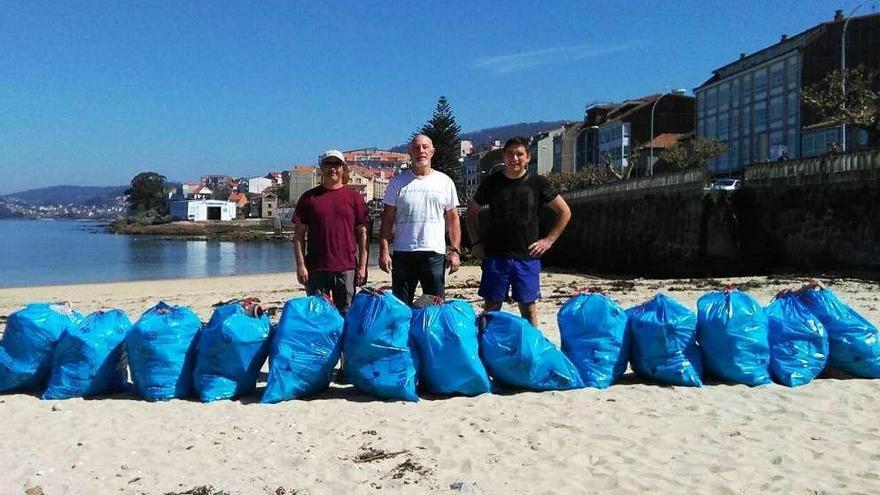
393	352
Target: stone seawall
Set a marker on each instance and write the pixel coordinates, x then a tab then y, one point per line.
820	213
796	215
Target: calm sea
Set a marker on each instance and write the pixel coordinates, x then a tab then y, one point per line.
52	252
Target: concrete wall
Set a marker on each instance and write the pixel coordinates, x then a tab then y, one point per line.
818	214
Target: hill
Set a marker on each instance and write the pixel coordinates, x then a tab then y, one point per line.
501	133
64	195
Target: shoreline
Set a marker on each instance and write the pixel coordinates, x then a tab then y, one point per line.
633	437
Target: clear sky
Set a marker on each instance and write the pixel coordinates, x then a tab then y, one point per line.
93	92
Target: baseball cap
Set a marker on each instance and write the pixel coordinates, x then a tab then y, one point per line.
332	154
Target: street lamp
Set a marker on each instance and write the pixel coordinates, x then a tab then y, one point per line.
651	141
843	74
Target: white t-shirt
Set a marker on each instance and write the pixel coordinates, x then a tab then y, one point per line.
421	202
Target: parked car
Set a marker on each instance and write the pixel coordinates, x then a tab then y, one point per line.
725	185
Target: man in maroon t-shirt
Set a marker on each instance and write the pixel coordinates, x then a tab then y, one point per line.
335	218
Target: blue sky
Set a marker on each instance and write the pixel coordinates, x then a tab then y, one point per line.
93	92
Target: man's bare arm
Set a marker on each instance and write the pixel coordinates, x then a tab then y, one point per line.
472	220
299	239
363	254
563	215
386	229
453	230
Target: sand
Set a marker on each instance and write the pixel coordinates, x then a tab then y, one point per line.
635	437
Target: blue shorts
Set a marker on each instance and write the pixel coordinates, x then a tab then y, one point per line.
500	275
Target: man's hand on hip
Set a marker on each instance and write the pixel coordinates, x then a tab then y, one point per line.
539	247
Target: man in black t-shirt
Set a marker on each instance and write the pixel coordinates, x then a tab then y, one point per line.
511	252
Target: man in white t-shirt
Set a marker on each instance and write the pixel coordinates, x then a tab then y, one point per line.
420	210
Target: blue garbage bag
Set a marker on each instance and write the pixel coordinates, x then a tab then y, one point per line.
594	336
853	341
798	341
90	358
375	344
161	352
304	350
28	343
664	343
732	332
445	338
519	355
231	349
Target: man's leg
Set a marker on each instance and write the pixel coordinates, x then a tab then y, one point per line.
495	283
432	273
525	281
404	276
529	311
343	290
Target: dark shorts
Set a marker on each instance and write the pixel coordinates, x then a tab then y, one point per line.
501	275
338	285
410	268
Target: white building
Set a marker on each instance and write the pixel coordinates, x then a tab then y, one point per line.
541	149
259	184
202	210
470	175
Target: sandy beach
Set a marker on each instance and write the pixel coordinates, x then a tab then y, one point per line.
635	437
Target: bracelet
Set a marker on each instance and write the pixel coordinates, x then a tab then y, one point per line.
455	250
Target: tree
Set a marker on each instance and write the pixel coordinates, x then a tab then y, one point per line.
444	133
147	194
858	107
592	175
692	153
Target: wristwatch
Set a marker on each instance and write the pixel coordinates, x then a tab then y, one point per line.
454	250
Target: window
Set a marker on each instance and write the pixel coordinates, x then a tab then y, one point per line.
734	94
792	107
760	116
747	150
710	127
734	123
722	125
776	112
760	84
723	97
747	88
777	77
734	153
792	144
747	120
793	73
818	142
711	100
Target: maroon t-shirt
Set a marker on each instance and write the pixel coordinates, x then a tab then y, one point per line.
331	216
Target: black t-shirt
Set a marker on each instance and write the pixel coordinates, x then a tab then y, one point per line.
514	205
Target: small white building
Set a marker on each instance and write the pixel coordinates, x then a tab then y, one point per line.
203	209
259	184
